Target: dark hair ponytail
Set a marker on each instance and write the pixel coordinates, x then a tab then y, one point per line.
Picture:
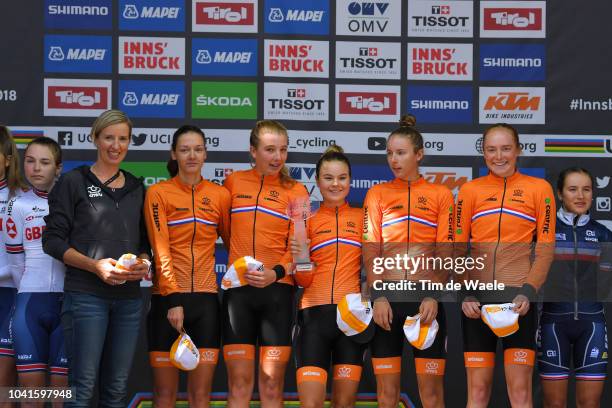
333	153
172	165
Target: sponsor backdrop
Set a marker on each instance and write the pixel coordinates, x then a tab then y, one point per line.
334	72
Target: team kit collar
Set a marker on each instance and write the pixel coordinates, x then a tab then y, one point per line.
332	210
569	217
187	187
403	183
3	184
267	179
40	193
500	180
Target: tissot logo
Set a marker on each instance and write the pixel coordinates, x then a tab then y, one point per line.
367	60
76	97
521	19
512	105
162	15
428	18
225	16
372	18
367	102
296	101
439	61
291	17
224	57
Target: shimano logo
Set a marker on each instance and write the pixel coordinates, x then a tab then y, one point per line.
512	62
78	10
439	104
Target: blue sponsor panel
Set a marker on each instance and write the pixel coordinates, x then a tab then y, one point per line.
364	177
78	53
152	99
216	57
539	172
145	15
221	258
79	15
512	62
441	104
293	17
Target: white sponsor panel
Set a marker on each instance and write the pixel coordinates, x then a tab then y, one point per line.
368	59
367	103
512	105
513	19
292	101
217	172
440	62
428	18
296	58
76	97
227	16
152	55
371	18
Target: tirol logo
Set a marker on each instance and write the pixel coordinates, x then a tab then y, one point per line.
371	18
76	97
512	62
520	19
224	57
79	15
291	17
427	18
224	100
440	61
150	99
367	60
296	101
238	16
441	104
141	15
367	102
152	55
512	105
293	58
78	53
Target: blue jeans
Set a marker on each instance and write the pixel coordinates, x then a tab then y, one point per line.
100	335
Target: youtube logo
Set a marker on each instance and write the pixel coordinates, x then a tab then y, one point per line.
377	143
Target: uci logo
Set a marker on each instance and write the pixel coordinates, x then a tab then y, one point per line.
94	191
344	372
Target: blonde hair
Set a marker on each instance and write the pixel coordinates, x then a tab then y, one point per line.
273	127
8	149
109	118
333	153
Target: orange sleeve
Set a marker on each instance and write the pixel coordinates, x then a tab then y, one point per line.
372	233
225	206
157	228
545	235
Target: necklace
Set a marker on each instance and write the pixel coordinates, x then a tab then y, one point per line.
110	180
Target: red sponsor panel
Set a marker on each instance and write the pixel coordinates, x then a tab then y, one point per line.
221	13
78	97
512	19
368	103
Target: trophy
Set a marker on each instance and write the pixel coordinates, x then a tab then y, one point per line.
299	211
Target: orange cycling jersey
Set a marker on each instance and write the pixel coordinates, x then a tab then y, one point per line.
413	218
335	248
183	223
260	225
501	218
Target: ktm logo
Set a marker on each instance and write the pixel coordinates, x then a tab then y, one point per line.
449	179
511	101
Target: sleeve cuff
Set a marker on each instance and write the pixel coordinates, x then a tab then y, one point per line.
280	271
529	291
174	300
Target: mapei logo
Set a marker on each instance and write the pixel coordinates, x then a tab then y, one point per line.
294	58
372	18
441	104
140	15
76	97
440	18
439	61
296	101
512	62
225	16
152	98
83	15
152	55
518	19
367	103
82	53
367	60
512	105
290	17
224	57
